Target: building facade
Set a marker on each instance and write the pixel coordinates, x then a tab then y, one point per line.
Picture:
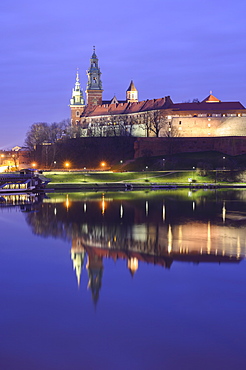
150	118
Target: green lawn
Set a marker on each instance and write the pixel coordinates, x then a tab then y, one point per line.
158	177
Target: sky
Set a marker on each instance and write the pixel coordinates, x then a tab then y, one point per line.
183	49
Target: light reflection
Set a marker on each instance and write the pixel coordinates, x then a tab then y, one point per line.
224	212
103	205
163	212
146	208
121	211
209	238
169	239
67	203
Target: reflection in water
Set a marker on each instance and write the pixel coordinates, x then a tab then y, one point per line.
25	201
156	228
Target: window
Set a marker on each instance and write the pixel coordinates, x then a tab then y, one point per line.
77	113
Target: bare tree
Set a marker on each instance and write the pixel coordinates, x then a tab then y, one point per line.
168	130
43	132
153	122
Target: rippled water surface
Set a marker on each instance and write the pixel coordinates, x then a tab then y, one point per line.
128	280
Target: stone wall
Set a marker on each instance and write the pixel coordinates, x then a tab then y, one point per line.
174	145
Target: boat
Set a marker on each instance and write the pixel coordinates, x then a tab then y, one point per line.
26	180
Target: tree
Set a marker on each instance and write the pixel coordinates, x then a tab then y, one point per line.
43	132
169	130
38	133
153	121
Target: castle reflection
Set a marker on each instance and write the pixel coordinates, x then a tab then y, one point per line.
156	228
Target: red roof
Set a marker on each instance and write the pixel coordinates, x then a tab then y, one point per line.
162	103
205	106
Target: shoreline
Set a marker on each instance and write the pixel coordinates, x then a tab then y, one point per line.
139	186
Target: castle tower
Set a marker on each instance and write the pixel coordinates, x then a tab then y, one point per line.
77	102
78	257
131	93
95	271
94	85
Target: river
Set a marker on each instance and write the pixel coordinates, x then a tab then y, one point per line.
124	280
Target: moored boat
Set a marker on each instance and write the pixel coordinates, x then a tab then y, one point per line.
24	181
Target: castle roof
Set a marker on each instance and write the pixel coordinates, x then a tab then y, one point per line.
127	107
207	106
211	99
112	107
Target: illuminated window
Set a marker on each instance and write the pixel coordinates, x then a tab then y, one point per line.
209	124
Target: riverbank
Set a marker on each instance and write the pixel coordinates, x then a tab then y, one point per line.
108	180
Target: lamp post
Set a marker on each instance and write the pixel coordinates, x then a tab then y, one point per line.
67	165
103	164
193	173
223	163
146	168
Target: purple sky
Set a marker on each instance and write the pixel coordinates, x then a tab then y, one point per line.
168	47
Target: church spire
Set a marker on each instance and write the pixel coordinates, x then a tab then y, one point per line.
94	84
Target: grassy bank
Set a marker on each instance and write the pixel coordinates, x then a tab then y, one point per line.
145	178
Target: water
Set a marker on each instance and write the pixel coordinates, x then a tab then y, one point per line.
127	280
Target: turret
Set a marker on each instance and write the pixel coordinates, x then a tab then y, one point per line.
131	93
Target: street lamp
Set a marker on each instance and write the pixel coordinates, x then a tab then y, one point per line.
146	168
223	163
193	173
103	164
67	164
163	163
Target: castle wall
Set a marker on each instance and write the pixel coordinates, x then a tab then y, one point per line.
206	126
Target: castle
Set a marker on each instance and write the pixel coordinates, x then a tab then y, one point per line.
156	117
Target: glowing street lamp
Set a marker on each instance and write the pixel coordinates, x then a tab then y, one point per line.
103	164
67	164
34	165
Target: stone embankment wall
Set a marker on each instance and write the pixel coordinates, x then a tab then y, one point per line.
174	145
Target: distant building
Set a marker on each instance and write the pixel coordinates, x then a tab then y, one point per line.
17	158
155	117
